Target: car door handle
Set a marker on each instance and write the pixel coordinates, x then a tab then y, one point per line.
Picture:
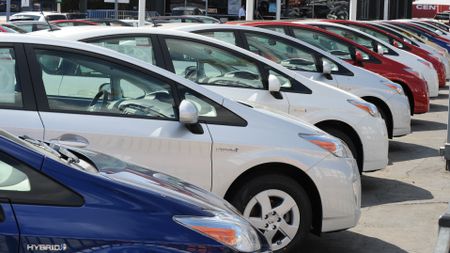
71	140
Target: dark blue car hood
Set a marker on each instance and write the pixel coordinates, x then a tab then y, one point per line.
155	182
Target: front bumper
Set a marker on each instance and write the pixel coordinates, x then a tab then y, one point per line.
401	115
374	138
339	186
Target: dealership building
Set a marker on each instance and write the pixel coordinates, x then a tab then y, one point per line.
263	9
362	9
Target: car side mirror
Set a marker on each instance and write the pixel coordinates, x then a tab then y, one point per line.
275	86
380	50
188	114
326	69
358	57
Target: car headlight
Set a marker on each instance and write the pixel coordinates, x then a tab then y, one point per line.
234	232
396	88
365	106
329	143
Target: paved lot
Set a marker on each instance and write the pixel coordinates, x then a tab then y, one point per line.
402	203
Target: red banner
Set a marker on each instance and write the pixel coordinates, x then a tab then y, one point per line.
428	10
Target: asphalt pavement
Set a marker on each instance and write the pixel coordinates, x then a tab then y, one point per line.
402	203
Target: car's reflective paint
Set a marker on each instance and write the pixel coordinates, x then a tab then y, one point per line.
115	216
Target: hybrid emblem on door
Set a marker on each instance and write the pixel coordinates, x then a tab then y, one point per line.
227	150
46	247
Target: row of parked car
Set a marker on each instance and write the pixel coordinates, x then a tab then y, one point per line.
278	118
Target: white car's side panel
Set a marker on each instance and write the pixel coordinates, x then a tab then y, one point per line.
161	144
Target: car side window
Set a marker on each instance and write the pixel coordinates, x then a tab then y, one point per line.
205	64
324	42
228	37
287	82
327	43
84	84
22	184
10	86
12	179
210	112
364	41
139	47
282	52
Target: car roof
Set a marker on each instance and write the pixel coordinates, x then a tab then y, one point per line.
42	40
262	30
74	33
319	30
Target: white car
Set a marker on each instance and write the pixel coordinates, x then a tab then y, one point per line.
37	16
418	65
287	177
243	76
319	65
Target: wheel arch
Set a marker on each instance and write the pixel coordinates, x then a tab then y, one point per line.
339	125
408	94
381	104
288	170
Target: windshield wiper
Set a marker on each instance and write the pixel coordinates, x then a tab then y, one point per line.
71	157
40	144
53	148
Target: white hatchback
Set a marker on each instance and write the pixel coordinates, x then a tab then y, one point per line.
287	177
315	63
244	76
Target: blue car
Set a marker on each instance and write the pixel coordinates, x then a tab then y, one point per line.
57	200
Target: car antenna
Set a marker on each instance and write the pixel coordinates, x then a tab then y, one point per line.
46	20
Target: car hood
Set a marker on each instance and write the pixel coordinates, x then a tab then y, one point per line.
156	182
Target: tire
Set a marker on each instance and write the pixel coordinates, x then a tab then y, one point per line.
350	144
279	192
386	119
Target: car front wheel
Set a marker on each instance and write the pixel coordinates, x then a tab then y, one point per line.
279	207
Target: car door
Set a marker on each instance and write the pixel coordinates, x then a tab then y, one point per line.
17	104
9	232
228	73
118	109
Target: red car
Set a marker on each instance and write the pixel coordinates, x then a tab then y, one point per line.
413	85
397	42
73	22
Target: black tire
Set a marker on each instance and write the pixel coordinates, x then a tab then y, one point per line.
271	182
387	120
350	144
